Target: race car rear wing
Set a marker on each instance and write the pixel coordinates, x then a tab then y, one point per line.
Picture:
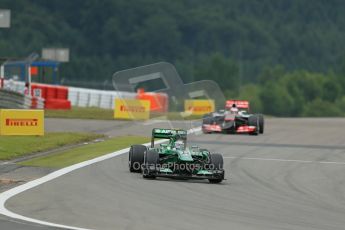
167	134
241	104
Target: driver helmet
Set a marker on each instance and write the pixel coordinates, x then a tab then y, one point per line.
233	109
179	145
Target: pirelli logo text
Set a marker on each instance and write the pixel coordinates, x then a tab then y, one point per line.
21	122
132	109
199	107
206	109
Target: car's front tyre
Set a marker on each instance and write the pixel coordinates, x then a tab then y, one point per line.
151	160
261	123
217	163
254	121
136	157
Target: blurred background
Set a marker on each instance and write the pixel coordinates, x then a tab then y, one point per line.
287	57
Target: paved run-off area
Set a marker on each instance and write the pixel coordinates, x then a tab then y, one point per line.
292	177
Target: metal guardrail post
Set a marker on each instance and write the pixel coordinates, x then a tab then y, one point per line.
29	60
2	75
78	98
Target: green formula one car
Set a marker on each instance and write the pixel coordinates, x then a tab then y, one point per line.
174	159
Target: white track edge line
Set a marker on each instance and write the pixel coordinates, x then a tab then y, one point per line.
31	184
284	160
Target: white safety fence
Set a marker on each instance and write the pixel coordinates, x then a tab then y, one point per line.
82	97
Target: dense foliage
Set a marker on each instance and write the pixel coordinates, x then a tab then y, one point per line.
287	56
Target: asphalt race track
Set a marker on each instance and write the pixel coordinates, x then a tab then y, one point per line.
292	177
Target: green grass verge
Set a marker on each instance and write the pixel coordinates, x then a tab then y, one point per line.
17	146
107	114
86	152
81	113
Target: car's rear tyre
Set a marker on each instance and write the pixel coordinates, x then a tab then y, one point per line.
151	160
204	131
254	121
207	120
217	162
136	157
261	123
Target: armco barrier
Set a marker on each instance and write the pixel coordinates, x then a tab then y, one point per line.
14	100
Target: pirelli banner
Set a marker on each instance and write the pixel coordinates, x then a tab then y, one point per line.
21	122
132	109
199	107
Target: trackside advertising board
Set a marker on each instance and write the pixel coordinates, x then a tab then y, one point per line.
132	109
21	122
199	107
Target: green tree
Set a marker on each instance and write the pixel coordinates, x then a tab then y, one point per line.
331	90
276	100
320	108
220	69
252	93
269	74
